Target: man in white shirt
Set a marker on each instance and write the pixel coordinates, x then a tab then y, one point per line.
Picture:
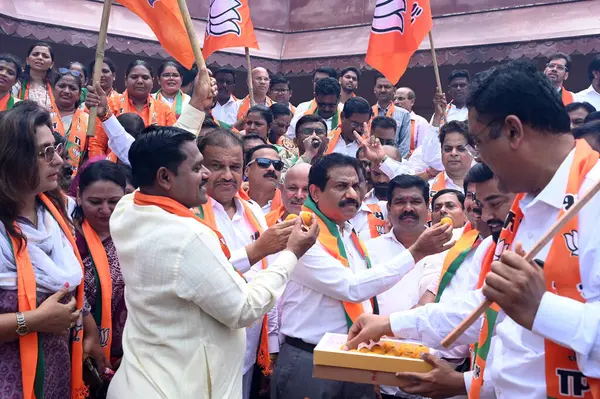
304	108
243	226
349	78
384	92
405	97
537	313
226	106
354	118
380	180
592	93
316	301
280	91
263	170
187	306
459	86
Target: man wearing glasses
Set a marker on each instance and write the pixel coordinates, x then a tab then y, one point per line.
557	70
311	138
355	116
281	91
263	170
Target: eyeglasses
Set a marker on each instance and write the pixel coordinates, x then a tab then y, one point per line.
67	71
309	131
170	75
558	67
49	152
280	91
264	163
473	149
327	105
225	82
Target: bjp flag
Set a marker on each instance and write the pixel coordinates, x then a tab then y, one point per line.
165	20
399	27
229	25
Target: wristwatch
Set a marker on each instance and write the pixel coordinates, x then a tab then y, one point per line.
21	326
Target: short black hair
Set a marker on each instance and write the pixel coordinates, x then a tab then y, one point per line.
512	89
225	71
383	122
170	63
351	69
593	66
478	173
278	109
11	58
309	118
278	79
253	150
264	111
221	138
327	70
379	75
356	105
588	129
459	73
408	181
455	127
319	172
577	105
126	169
561	56
459	196
157	147
135	63
592	116
107	61
328	86
132	123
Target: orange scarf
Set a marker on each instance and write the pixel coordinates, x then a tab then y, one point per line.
154	112
560	279
335	121
24	93
245	106
177	104
439	185
75	136
207	214
101	268
32	366
377	224
413	138
7	102
389	113
330	239
275	214
334	137
468	227
567	96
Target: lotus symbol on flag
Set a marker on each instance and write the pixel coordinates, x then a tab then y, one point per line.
224	18
389	16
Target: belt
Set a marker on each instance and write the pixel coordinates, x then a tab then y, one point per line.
299	344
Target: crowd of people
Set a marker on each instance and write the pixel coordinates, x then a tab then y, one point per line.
163	257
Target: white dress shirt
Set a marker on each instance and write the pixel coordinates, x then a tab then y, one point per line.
312	301
449	183
422	128
238	233
183	337
301	110
455	114
360	222
227	112
119	141
185	99
590	95
349	149
518	366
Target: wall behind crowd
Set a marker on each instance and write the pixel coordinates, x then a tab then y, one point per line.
421	79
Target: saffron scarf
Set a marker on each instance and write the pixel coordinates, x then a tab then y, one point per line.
560	279
245	106
32	355
7	102
24	93
331	240
154	112
377	224
413	138
335	119
456	256
103	280
567	96
177	103
391	109
76	136
206	213
333	140
274	216
439	185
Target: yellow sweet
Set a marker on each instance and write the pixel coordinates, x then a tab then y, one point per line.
447	220
306	218
397	349
291	216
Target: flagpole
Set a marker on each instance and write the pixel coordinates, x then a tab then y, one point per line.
100	47
250	86
436	70
189	27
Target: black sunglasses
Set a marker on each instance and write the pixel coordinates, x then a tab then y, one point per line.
264	163
65	71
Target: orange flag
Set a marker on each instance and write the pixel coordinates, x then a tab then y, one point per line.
165	20
229	25
399	27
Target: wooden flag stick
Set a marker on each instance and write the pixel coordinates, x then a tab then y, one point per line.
436	70
189	27
556	227
250	86
100	47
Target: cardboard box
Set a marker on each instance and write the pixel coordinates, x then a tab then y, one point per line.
332	363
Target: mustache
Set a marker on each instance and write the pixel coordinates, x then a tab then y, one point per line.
408	214
225	182
495	222
295	201
347	202
270	174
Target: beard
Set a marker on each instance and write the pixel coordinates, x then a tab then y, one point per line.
380	190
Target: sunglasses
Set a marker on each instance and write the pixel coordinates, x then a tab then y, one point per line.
49	152
264	163
67	71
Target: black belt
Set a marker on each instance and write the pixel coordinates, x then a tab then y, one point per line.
298	343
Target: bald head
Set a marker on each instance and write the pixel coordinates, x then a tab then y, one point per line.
392	152
295	187
405	98
260	82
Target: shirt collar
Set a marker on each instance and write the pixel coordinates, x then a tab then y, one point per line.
239	208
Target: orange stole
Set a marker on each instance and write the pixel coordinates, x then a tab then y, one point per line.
389	113
154	112
7	102
413	143
567	96
245	106
377	223
334	137
76	137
